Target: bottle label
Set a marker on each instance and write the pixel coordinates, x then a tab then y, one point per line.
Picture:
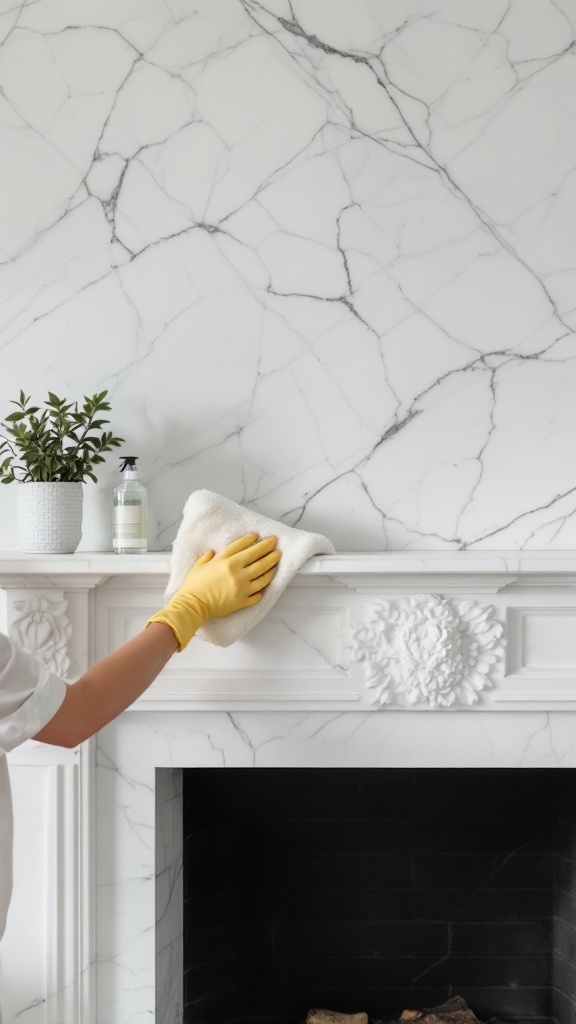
127	515
129	526
136	543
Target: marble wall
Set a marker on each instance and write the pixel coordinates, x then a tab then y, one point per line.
322	253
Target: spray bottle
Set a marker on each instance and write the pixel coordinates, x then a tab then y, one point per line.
130	529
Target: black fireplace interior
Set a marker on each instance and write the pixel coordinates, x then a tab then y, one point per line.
378	890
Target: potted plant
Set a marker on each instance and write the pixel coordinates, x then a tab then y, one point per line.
50	452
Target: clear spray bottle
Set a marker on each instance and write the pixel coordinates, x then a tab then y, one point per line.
130	527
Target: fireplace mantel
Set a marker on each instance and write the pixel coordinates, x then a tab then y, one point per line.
385	659
497	625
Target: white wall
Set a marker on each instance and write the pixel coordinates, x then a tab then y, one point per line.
322	253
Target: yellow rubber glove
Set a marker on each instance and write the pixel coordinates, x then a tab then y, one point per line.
220	584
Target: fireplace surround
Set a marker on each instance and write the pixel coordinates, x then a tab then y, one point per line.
384	661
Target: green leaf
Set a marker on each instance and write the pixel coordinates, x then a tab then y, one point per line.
56	442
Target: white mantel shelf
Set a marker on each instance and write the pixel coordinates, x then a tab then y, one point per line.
342	563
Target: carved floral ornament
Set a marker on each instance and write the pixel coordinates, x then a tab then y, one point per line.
429	650
43	628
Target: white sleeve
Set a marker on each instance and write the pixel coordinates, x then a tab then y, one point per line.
30	695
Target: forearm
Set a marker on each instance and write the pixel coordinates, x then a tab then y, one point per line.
216	585
110	686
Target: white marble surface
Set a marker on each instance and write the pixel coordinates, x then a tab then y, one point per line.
321	252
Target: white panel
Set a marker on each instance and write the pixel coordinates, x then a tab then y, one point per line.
50	916
542	641
549	641
298	653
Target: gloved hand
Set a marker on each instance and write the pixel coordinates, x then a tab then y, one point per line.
220	584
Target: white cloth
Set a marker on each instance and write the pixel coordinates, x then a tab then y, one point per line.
30	696
211	521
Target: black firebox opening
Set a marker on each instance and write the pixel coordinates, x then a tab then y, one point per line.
378	890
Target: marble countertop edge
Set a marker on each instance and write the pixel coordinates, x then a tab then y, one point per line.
341	563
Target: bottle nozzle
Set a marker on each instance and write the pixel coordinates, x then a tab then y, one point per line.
128	462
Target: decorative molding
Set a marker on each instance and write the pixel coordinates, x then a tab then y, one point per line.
429	650
426	582
62	946
67	915
86	893
43	628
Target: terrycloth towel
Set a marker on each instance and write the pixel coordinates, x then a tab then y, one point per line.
211	521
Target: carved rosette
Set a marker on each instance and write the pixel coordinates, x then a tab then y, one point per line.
428	650
43	628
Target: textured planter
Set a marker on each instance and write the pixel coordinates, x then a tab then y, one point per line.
49	516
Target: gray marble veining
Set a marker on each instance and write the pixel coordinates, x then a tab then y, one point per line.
321	253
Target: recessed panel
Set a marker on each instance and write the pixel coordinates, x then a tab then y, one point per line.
542	641
298	652
295	636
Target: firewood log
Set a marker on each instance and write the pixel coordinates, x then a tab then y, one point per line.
333	1017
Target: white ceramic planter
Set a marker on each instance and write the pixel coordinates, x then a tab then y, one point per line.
49	516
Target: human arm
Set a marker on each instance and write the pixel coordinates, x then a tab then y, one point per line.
109	687
216	585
